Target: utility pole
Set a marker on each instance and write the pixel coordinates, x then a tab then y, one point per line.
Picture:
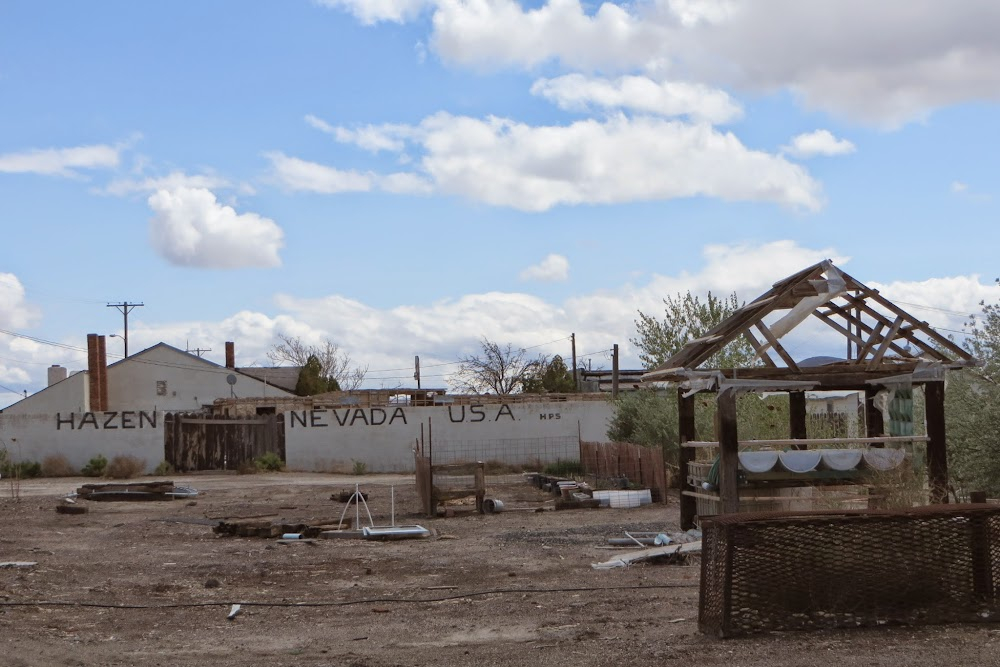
125	308
614	373
576	384
416	370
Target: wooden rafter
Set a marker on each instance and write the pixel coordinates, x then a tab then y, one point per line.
759	348
886	342
887	339
872	339
769	337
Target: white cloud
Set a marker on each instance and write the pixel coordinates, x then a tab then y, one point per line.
939	53
496	33
296	174
374	11
172	181
819	142
957	187
190	228
441	331
577	92
505	163
554	268
404	183
60	161
15	311
372	138
942	302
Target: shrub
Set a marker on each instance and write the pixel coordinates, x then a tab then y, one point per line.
163	468
21	469
125	467
95	467
359	467
270	462
564	468
247	468
57	465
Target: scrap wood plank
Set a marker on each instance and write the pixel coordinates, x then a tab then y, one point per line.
647	554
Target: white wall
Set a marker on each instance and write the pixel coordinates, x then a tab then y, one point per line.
190	382
384	438
331	440
69	395
81	436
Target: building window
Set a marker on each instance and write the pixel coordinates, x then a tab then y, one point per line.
161	387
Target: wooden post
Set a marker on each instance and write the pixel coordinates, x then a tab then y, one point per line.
937	447
874	424
686	430
614	372
797	417
729	447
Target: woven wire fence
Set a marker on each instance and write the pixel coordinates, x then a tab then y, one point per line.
452	466
813	570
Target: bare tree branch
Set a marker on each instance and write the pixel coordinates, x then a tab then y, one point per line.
498	370
333	362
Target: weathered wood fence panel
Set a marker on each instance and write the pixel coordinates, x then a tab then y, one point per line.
622	460
199	442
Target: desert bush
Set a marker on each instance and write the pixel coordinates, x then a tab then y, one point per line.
247	468
21	469
57	465
125	467
358	467
269	462
564	468
163	468
95	467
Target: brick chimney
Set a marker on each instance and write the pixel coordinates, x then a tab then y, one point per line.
102	360
230	354
93	373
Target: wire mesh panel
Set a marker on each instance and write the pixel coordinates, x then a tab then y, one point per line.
514	453
811	570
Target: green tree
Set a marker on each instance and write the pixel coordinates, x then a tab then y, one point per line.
972	409
554	378
312	381
333	362
687	317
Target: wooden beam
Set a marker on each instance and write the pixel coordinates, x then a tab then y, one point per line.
926	328
797	417
874	423
787	442
787	358
937	446
867	347
827	317
729	447
686	429
886	342
756	345
906	331
880	319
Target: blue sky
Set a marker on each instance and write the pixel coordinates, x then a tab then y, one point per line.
404	177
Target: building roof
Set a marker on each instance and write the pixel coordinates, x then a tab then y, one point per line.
885	339
282	377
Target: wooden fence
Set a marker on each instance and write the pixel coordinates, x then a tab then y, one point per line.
624	461
199	442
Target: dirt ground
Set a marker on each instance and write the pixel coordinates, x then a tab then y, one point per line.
151	584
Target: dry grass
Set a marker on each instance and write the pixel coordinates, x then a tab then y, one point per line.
58	465
125	467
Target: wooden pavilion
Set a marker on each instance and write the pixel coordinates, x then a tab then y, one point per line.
886	346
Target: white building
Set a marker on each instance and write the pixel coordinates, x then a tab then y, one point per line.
119	408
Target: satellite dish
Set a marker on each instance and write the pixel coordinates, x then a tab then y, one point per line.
231	379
